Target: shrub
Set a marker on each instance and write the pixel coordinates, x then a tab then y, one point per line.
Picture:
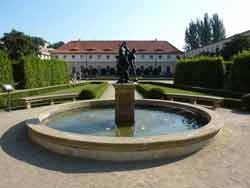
142	91
5	69
240	75
86	94
201	71
156	93
246	101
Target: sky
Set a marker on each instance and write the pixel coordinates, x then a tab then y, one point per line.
66	20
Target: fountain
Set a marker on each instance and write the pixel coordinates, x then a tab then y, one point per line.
125	129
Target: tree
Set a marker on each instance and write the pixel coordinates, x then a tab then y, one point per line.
18	44
56	45
235	46
192	36
203	32
38	41
218	30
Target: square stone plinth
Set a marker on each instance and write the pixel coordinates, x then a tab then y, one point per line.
125	104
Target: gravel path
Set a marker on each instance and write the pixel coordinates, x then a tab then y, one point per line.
110	93
224	163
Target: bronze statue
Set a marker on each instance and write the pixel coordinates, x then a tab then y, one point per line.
126	59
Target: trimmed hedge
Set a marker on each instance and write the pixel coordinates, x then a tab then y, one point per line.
32	72
142	91
201	71
5	69
86	94
240	76
93	91
156	93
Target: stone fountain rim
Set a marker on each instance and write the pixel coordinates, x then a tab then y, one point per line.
176	139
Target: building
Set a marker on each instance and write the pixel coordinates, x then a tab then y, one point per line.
214	47
45	52
98	58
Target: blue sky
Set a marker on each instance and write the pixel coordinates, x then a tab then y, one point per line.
66	20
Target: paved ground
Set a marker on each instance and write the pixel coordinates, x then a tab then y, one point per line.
224	163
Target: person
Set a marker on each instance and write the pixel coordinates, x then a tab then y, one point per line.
131	60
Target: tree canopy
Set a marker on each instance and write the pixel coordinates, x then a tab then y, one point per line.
203	32
56	45
17	44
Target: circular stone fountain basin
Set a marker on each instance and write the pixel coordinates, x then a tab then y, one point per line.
162	130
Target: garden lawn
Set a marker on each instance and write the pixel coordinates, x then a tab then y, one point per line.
228	102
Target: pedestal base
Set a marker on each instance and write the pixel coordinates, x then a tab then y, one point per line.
125	104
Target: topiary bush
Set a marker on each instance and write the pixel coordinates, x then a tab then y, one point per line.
246	101
208	72
156	93
86	94
142	91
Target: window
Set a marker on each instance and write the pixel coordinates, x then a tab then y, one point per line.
90	57
56	57
81	56
142	56
64	56
73	57
108	56
151	57
160	57
99	56
168	56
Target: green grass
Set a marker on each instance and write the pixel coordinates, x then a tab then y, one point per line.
144	89
98	89
171	90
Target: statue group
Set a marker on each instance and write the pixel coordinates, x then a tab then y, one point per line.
126	61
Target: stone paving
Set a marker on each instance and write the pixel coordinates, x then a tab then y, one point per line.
224	163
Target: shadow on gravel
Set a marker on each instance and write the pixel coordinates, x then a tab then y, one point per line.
15	143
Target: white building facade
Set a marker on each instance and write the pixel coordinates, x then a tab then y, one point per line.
45	52
214	47
98	58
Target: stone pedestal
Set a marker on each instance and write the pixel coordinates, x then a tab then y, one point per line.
125	104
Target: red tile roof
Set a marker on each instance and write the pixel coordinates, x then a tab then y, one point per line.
155	46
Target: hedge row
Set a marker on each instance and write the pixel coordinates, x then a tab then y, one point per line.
5	69
32	72
200	71
240	72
